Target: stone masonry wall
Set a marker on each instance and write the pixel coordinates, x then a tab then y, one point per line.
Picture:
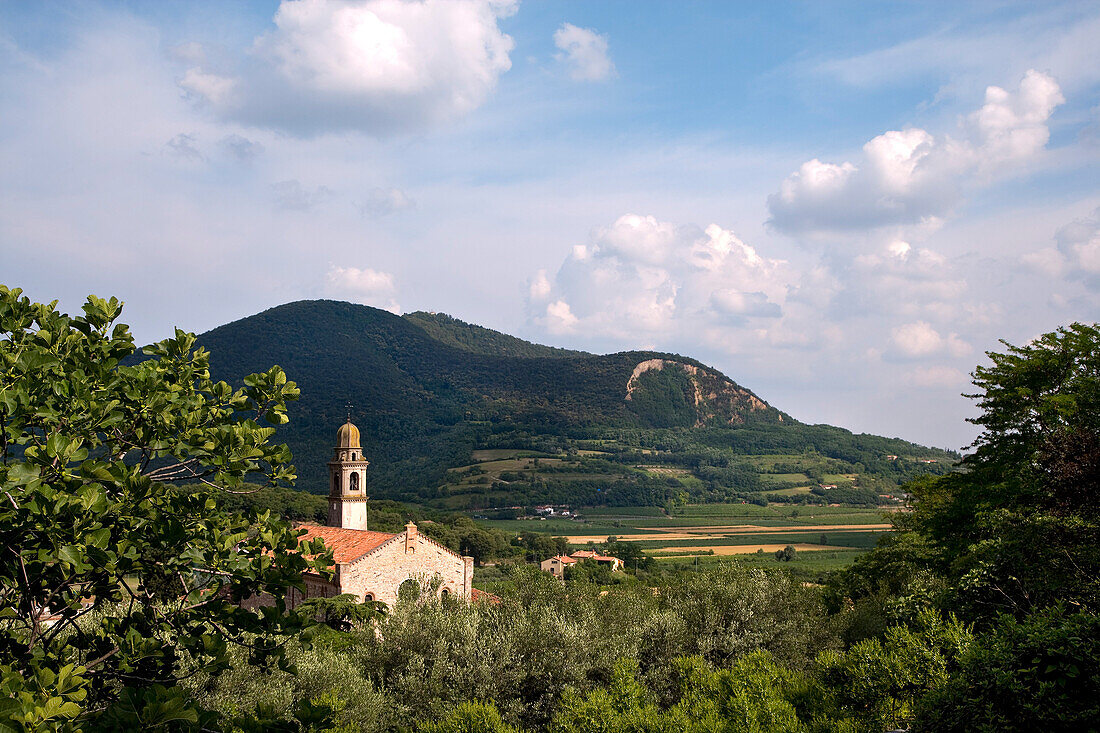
382	572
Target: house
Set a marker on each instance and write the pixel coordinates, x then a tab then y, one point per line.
373	566
557	564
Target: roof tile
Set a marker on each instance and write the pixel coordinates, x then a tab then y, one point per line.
348	545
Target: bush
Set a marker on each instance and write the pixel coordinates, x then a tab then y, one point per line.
1042	673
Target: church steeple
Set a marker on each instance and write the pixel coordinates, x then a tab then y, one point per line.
347	499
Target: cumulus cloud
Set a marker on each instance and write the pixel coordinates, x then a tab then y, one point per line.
380	202
1076	254
584	53
217	90
538	290
378	66
908	176
366	286
920	339
642	277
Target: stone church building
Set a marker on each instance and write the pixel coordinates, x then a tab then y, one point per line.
373	565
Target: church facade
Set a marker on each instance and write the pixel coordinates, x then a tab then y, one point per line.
373	566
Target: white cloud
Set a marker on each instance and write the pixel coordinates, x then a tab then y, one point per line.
920	339
584	52
936	377
908	176
1014	127
740	304
381	202
917	339
366	286
379	66
539	288
642	278
1081	239
217	90
1076	255
559	318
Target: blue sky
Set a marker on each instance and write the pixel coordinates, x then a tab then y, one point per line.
840	205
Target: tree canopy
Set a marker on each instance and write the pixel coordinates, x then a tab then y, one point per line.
111	587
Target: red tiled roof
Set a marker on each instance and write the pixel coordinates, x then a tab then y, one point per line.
347	545
607	558
481	596
584	553
563	558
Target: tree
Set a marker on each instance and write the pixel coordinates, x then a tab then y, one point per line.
1020	527
111	586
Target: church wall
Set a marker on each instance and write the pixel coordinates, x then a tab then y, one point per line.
383	571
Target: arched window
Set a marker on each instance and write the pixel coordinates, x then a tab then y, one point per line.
355	481
368	597
336	482
409	590
444	593
353	454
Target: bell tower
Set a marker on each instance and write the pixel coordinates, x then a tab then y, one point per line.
347	498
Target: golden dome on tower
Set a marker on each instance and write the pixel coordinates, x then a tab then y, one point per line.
347	436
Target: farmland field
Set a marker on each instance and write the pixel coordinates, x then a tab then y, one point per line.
732	532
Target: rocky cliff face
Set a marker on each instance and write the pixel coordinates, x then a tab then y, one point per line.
713	398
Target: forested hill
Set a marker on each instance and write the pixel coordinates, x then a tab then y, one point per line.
481	340
426	390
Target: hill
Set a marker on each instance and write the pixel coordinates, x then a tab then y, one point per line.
480	340
429	390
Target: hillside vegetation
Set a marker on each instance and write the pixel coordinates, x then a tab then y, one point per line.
428	390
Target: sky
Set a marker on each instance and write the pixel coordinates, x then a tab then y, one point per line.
842	206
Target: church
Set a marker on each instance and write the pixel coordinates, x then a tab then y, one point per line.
373	565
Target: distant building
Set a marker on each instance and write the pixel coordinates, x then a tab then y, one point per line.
373	566
557	564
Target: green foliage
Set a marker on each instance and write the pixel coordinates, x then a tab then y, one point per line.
878	682
479	340
139	580
754	695
469	717
39	699
1019	529
1042	673
343	612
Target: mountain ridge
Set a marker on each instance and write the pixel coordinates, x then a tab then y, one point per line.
428	389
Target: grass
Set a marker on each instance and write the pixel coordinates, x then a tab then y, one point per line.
615	512
862	540
783	478
791	492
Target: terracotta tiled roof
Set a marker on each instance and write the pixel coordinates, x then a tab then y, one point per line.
584	553
605	558
563	558
347	545
481	596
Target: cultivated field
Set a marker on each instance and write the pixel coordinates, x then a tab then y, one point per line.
731	531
